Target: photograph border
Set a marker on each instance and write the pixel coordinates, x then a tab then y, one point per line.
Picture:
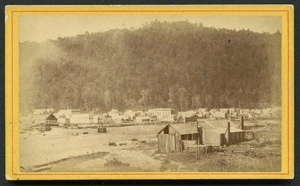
12	159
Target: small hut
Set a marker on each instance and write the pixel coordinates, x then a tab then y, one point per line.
101	128
221	132
172	136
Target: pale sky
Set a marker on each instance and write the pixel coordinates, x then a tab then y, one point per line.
42	27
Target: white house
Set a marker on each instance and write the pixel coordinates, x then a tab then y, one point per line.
129	113
162	114
42	111
219	115
65	113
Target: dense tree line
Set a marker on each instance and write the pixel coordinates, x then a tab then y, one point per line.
163	64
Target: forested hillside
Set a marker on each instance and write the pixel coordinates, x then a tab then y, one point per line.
179	65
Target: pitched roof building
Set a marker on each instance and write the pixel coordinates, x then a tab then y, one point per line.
207	132
171	136
221	132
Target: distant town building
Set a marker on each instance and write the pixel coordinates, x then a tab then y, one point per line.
142	119
202	110
41	119
42	111
83	118
65	113
51	120
162	114
130	114
113	113
218	114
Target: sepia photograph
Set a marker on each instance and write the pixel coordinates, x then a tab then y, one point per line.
177	92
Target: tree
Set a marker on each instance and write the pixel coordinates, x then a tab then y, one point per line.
172	98
162	64
107	100
145	99
196	101
183	98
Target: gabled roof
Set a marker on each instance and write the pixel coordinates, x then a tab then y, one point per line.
38	119
217	123
219	126
51	117
186	128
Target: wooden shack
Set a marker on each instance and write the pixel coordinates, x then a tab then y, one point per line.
101	128
221	132
171	137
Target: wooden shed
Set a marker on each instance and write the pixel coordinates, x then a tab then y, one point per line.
170	138
221	132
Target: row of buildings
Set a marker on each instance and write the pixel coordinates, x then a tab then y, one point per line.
205	132
74	117
229	113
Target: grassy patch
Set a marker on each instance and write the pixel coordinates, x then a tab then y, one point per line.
112	144
167	165
115	163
